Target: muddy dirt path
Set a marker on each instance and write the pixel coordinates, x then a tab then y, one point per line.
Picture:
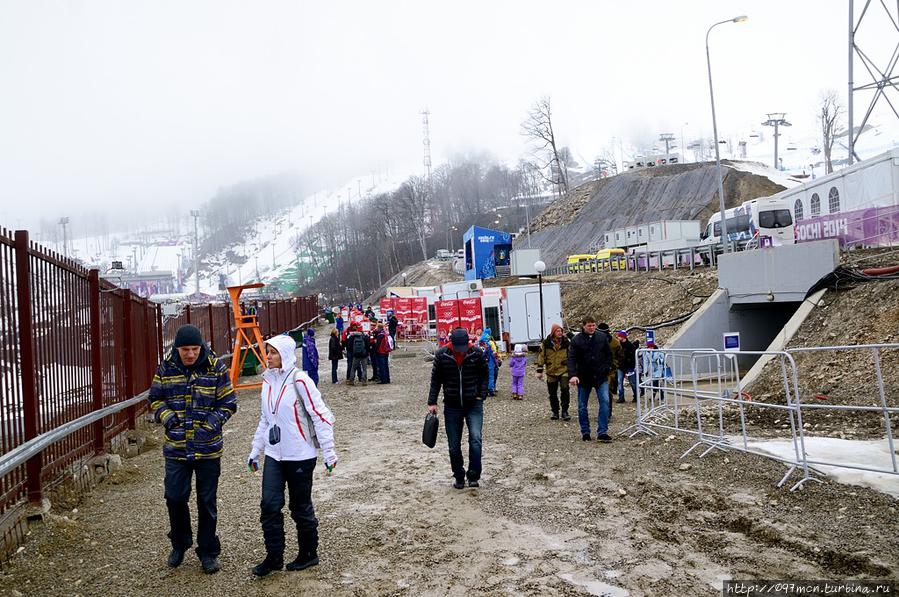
554	515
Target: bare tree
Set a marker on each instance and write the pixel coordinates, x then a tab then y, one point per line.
412	196
829	116
539	128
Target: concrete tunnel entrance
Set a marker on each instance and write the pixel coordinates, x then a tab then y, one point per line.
761	295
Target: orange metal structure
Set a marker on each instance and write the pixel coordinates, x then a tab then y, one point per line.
247	336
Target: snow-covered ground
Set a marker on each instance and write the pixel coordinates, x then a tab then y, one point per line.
870	454
269	249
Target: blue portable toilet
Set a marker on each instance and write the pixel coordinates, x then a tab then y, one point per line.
485	251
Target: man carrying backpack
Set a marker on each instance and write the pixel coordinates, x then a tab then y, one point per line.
357	346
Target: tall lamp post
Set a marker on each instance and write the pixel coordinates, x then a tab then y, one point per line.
708	58
540	267
195	213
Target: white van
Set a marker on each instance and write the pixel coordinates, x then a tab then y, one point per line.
769	217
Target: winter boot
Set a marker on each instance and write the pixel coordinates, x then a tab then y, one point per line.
305	559
268	565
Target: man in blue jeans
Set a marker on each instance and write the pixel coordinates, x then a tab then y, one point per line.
461	370
589	362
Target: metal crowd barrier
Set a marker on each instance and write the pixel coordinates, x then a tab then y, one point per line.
673	382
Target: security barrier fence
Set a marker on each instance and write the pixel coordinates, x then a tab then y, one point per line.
72	344
701	393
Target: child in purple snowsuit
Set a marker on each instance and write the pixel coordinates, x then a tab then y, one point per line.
517	365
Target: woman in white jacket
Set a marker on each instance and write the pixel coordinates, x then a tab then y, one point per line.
293	423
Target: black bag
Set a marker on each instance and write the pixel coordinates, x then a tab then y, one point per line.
429	433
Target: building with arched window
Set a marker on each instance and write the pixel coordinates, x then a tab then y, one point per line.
815	205
833	200
797	209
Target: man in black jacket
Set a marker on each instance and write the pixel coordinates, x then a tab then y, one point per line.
462	372
626	365
589	363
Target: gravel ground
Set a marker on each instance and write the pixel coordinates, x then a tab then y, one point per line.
554	515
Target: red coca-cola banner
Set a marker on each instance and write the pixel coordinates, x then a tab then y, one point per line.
403	308
470	315
420	309
387	304
447	313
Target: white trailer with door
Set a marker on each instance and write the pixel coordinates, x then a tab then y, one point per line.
521	311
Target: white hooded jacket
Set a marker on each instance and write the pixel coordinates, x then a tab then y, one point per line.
286	392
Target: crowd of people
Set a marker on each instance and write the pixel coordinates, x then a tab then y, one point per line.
192	397
593	361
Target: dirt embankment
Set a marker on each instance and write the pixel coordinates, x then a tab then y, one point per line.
424	273
576	222
630	299
866	313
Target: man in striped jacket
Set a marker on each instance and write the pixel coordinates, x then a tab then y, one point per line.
192	397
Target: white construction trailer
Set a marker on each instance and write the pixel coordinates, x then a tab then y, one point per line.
521	311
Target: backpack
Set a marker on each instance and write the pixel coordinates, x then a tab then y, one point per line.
359	348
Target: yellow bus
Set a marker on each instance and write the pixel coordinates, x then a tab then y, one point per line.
581	263
615	257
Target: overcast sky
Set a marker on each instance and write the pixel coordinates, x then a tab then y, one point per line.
115	104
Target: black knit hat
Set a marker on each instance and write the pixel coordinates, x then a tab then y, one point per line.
188	335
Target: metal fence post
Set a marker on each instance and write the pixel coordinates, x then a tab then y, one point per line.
96	359
211	328
30	414
159	349
128	353
187	313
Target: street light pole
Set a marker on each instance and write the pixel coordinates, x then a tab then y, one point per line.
540	267
196	215
708	58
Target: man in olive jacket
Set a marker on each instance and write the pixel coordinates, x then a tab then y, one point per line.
553	362
192	397
461	370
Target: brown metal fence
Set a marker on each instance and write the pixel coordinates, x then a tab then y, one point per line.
71	344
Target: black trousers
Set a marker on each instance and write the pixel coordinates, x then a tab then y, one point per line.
297	475
177	493
553	384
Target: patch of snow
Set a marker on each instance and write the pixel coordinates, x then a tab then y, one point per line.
846	452
776	176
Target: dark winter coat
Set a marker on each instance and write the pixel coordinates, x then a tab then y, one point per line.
628	356
392	322
192	403
335	350
590	358
470	378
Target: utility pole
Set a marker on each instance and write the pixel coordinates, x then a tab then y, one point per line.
64	221
196	215
667	138
426	144
776	119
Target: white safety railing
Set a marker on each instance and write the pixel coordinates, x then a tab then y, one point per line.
674	383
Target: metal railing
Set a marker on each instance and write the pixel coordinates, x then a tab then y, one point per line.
674	383
75	353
